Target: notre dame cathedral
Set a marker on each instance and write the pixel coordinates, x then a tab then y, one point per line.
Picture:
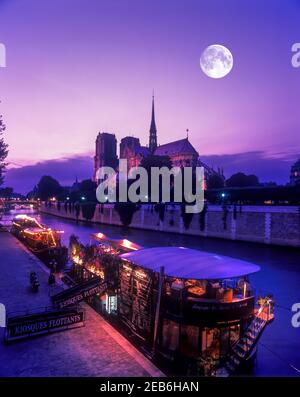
181	152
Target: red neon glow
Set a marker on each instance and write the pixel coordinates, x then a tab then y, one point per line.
128	244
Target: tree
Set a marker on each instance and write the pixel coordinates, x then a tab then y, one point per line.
87	189
215	181
87	185
3	151
83	191
126	212
33	194
48	187
6	192
88	210
186	217
241	180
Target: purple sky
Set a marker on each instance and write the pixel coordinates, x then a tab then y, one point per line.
76	67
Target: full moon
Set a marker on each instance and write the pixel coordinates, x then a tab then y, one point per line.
216	61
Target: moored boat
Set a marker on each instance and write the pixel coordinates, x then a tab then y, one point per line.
42	241
194	312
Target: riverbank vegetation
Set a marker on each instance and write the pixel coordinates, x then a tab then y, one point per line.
3	151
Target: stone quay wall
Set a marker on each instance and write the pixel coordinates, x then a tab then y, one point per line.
279	225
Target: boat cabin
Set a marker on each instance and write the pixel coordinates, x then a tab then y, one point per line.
188	307
206	304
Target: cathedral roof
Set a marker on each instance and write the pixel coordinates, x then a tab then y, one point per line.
182	146
143	150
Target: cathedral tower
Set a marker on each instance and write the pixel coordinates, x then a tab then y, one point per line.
153	131
106	152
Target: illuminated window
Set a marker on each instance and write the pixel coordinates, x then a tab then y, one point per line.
211	343
234	334
189	340
170	335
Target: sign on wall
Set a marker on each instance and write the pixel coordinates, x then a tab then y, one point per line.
136	301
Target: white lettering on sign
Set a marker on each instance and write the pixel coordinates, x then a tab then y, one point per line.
2	56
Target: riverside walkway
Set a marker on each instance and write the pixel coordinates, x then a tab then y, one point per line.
96	349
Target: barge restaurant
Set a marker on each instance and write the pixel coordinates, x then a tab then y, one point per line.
194	312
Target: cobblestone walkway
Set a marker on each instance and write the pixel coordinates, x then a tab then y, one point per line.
94	350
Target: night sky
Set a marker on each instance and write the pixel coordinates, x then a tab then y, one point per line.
76	67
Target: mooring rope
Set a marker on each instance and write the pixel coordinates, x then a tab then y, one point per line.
280	358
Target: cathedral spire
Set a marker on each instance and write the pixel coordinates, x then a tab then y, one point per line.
153	131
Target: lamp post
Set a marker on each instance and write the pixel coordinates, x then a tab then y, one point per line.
157	311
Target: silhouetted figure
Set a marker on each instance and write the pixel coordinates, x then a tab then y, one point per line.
34	282
51	279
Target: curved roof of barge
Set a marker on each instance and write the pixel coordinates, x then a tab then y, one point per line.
188	263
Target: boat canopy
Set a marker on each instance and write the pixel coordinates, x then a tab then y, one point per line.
118	243
35	230
188	263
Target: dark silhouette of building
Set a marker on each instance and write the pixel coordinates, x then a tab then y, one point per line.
181	152
295	173
106	152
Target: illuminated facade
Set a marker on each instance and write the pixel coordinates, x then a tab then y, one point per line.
132	151
181	152
106	152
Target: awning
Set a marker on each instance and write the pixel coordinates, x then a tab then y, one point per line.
187	263
118	243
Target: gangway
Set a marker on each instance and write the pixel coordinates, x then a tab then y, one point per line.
243	349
